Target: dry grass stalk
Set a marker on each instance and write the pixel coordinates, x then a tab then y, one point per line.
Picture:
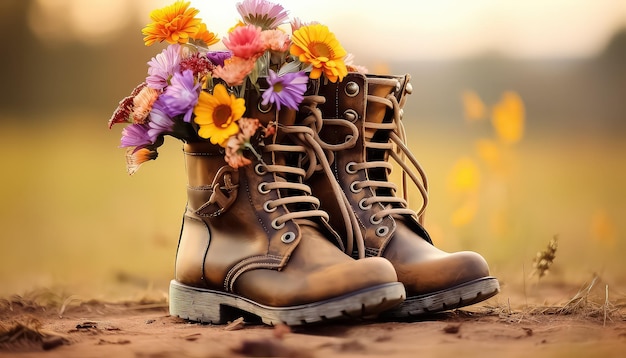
544	259
27	335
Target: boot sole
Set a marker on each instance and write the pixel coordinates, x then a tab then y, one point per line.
209	306
463	295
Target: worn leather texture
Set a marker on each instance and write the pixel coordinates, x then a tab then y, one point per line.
234	244
422	267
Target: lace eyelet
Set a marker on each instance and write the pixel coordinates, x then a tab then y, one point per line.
350	115
260	169
264	109
352	89
266	207
354	189
382	231
276	225
288	237
349	169
363	206
262	189
375	221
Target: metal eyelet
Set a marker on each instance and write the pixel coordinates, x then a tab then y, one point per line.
354	189
261	188
375	221
349	169
276	225
260	169
350	115
266	207
264	109
382	231
288	237
352	89
363	206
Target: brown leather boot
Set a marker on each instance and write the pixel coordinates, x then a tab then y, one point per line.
369	109
254	241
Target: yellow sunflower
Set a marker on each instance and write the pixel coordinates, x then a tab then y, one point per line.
174	23
217	114
316	45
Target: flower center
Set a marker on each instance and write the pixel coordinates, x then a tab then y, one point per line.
278	87
221	116
321	50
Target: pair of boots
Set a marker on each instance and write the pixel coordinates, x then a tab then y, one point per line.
312	230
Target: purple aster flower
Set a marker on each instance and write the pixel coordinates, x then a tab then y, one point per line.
262	13
181	96
135	135
218	57
163	66
286	90
160	123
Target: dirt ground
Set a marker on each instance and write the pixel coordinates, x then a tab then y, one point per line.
579	327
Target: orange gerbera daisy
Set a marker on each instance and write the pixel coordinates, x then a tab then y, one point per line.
205	35
174	23
316	45
217	114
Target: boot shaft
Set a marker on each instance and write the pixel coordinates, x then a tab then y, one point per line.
360	159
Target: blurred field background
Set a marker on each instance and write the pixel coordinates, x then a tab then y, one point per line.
517	149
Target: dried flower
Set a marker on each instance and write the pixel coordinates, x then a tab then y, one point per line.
142	104
124	108
137	156
544	259
198	63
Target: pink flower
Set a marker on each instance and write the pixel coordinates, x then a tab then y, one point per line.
235	69
296	23
142	104
245	42
262	13
349	61
275	40
163	66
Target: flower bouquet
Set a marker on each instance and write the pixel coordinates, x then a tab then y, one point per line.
195	94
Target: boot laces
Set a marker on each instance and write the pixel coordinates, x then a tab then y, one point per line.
395	145
289	177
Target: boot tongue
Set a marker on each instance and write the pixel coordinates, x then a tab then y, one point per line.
377	110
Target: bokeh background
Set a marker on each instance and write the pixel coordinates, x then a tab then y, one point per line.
518	116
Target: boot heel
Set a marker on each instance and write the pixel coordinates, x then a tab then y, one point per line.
196	304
